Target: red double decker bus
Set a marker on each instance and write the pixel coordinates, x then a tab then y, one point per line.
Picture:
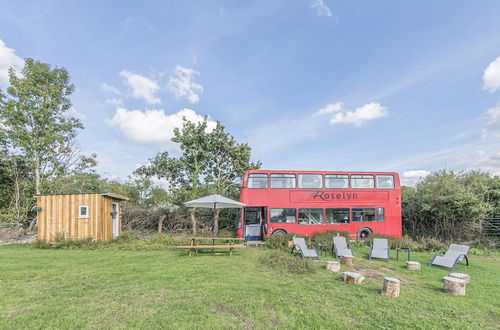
306	202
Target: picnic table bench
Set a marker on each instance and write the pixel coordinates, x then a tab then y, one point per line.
194	246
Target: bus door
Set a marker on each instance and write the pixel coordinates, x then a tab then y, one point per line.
255	223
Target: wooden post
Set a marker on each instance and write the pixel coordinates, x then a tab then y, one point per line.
333	266
391	287
348	261
454	286
461	276
412	265
353	278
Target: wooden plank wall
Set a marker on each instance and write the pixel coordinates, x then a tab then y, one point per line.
59	216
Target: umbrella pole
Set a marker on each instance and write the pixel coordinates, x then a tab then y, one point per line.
215	215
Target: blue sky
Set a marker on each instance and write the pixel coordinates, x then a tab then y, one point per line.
406	86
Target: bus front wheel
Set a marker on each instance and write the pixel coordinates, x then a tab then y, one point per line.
279	232
364	233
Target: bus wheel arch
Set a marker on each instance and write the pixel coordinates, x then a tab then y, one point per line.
279	232
364	233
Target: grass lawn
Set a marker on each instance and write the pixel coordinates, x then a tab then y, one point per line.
153	289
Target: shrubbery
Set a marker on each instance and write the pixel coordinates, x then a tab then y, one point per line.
278	241
285	262
326	237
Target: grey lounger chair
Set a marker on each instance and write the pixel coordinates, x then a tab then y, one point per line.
300	244
340	247
380	249
455	254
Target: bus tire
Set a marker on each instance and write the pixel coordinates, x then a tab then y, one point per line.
279	232
364	233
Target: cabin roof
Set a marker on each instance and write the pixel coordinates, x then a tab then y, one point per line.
107	194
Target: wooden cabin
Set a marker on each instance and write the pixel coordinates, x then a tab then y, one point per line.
79	216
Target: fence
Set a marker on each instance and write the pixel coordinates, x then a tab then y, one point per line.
491	227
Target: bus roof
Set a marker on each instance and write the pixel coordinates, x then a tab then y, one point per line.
320	172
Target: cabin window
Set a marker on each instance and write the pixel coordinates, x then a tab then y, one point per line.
363	214
337	216
310	181
257	181
311	216
286	181
380	214
362	181
337	181
283	215
385	182
83	211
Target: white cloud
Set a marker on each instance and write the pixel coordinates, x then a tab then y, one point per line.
411	178
321	8
329	108
491	76
153	126
488	161
492	121
142	87
108	88
360	115
8	59
115	101
182	84
75	113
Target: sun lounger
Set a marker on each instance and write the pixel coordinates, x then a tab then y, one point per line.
300	244
340	247
455	254
380	249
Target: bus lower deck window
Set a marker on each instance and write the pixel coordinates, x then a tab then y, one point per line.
380	214
336	216
363	214
311	216
257	181
283	215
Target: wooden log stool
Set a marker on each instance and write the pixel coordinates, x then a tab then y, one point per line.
412	265
333	266
348	261
461	276
353	278
391	287
454	286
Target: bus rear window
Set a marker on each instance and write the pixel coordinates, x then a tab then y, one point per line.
283	181
337	181
363	214
311	216
362	181
385	182
336	216
283	215
257	181
310	181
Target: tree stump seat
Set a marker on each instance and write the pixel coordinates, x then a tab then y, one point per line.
348	261
412	265
391	287
461	276
333	266
454	285
353	278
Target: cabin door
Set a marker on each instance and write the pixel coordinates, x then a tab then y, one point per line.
115	216
255	221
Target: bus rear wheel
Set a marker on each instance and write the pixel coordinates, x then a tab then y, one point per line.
279	232
364	233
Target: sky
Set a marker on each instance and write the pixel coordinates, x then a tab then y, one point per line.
362	85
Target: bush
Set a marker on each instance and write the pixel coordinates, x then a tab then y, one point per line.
281	261
227	233
163	239
278	241
326	237
125	237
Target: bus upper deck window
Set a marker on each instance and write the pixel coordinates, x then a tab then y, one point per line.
385	182
310	181
362	181
257	180
286	181
338	181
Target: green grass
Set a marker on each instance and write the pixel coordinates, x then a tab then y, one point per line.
168	289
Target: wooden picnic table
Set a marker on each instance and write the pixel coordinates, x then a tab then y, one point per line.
194	246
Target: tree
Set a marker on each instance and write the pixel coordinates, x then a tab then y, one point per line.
210	162
36	120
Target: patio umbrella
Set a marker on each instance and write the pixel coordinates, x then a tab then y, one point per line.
214	202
